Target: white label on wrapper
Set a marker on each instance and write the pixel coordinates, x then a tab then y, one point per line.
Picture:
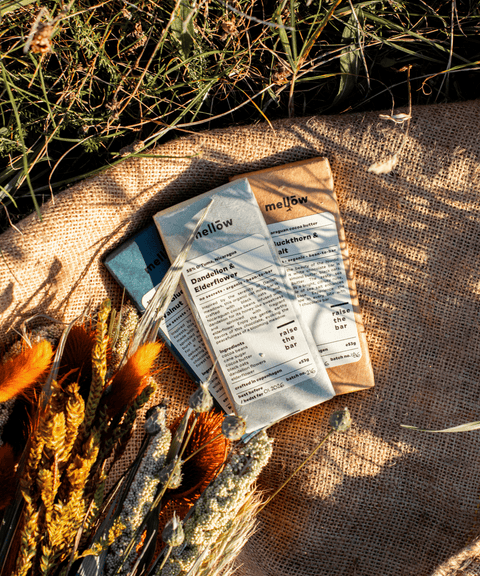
179	326
310	250
249	319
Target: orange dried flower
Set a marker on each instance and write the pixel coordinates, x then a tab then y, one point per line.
198	471
19	375
132	378
202	468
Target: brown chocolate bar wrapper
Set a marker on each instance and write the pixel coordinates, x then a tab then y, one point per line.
274	189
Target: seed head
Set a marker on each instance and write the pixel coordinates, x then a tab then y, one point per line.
173	534
201	400
154	419
176	479
233	427
341	420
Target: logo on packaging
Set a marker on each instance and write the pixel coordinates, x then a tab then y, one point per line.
288	201
159	258
214	227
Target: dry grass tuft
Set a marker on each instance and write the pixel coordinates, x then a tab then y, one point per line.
91	84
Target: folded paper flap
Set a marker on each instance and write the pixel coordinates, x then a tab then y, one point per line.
380	495
294	185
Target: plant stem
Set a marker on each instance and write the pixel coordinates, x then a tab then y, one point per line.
299	467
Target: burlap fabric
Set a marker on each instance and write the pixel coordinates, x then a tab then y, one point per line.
379	499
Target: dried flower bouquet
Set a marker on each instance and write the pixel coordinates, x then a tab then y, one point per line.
69	402
66	418
73	416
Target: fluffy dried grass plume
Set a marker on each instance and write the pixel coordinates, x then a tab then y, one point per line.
19	375
132	378
221	560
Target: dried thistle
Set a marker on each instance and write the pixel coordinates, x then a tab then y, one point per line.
201	400
203	458
171	476
233	427
340	420
39	38
173	534
281	73
228	28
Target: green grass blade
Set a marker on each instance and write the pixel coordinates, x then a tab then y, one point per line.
182	27
22	141
294	30
282	33
350	60
38	66
12	5
195	102
5	194
391	25
304	52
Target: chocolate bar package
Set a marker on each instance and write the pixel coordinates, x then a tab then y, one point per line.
245	306
300	208
139	265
